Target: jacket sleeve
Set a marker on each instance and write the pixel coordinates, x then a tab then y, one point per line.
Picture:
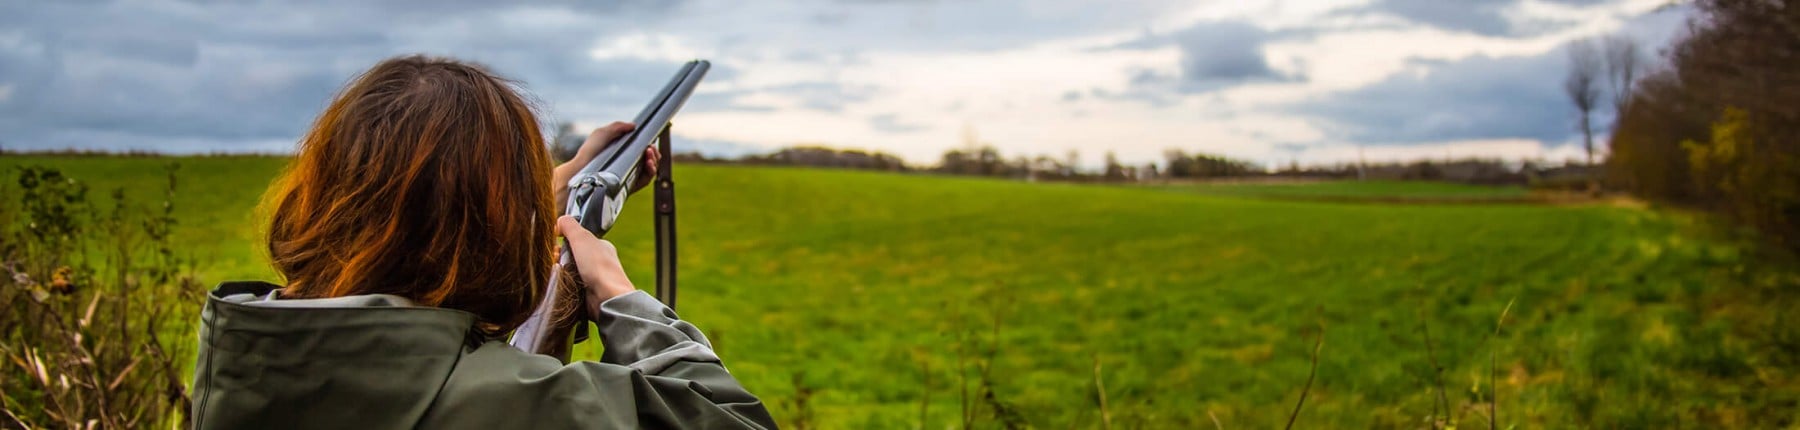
683	382
657	372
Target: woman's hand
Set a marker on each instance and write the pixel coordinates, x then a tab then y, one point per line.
597	262
596	141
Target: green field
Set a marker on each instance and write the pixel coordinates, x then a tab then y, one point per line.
870	300
1349	190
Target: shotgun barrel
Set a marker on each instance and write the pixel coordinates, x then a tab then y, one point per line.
596	196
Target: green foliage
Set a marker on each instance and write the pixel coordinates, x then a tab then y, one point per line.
47	198
1181	165
868	300
1717	163
1754	183
83	312
217	203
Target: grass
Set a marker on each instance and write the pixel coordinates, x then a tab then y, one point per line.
1359	190
868	300
215	201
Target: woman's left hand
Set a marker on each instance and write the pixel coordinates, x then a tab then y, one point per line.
597	262
596	141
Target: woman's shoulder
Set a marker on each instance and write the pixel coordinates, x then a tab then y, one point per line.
495	365
494	385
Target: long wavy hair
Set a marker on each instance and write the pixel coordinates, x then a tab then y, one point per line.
425	178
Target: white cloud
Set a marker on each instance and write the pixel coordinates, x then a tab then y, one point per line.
645	46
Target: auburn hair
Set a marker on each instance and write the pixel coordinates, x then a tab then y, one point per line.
425	178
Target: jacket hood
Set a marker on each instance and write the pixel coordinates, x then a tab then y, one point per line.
371	361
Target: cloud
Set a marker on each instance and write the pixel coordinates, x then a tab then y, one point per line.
931	25
1483	17
1474	16
1474	98
713	147
890	123
1212	55
179	75
822	96
724	101
1479	97
645	46
1222	53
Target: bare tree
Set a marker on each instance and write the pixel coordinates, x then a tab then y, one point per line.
1624	59
566	142
1073	161
1582	86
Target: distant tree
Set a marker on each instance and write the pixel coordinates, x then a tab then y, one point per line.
1044	167
1179	164
1072	161
816	155
1624	59
566	142
988	161
1582	87
955	162
1114	171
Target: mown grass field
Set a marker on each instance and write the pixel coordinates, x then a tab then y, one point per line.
869	300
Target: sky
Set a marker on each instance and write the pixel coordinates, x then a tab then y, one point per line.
1271	82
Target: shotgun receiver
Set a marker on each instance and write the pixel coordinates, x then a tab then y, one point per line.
596	195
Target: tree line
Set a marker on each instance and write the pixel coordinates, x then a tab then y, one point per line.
1718	128
1175	165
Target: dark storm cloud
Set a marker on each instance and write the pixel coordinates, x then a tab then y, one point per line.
1474	98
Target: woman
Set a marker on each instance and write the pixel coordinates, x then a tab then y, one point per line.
416	229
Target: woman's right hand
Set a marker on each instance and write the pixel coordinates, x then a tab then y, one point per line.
597	261
596	141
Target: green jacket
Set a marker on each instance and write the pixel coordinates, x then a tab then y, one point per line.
381	362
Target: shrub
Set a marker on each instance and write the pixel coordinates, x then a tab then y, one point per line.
88	298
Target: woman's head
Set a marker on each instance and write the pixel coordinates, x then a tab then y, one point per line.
425	178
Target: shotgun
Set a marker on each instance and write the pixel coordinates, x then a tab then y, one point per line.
596	195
